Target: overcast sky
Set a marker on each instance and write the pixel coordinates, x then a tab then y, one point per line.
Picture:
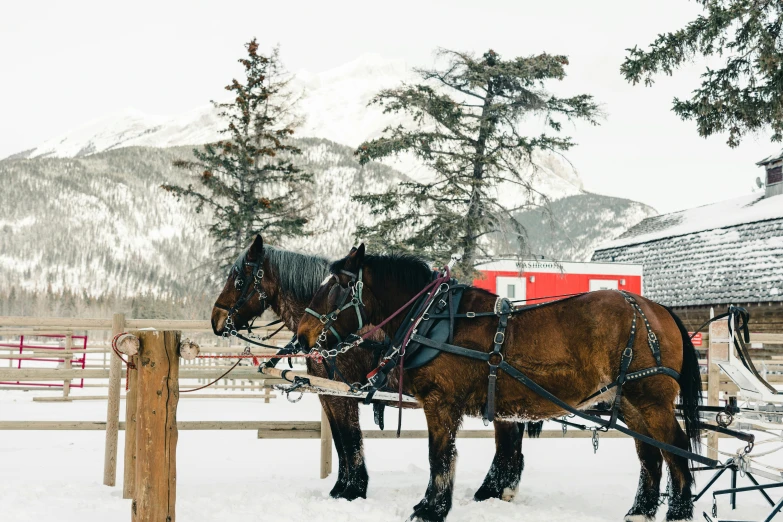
64	63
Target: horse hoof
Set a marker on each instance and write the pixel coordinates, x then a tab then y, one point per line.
420	517
351	492
486	493
509	494
337	490
638	518
424	513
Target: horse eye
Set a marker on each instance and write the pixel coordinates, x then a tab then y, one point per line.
238	283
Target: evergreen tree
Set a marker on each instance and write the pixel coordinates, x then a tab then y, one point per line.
466	129
746	93
249	180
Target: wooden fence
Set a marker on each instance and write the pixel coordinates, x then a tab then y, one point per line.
110	373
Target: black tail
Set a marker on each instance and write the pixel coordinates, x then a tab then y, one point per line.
690	386
534	429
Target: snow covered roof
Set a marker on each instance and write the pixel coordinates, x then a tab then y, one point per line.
744	209
559	267
729	252
770	159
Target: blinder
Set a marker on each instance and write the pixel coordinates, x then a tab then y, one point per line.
249	284
341	298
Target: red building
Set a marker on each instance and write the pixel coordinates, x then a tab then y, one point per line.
538	280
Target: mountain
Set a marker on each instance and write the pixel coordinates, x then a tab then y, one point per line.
100	224
574	226
333	103
83	220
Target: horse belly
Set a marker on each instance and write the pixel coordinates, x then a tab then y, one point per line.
517	402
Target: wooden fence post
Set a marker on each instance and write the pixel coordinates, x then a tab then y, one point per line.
718	351
156	426
129	471
326	445
113	408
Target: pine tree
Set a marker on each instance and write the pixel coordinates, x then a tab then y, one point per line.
746	93
466	128
249	180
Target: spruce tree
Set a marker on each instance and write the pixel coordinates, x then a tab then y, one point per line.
249	180
466	120
745	94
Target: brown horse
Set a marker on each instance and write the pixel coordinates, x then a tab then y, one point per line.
571	348
288	280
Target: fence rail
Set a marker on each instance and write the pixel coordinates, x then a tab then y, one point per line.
103	370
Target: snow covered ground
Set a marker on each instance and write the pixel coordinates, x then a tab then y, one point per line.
57	475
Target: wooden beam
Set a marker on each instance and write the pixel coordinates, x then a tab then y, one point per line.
718	344
131	399
326	445
56	374
156	422
113	409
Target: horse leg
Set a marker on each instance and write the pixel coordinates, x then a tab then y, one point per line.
662	425
648	493
502	480
352	479
443	420
342	467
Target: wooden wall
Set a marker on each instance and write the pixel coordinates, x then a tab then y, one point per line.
764	317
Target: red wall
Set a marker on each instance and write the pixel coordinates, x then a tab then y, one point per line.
549	284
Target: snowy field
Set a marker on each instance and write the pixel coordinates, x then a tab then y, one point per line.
232	475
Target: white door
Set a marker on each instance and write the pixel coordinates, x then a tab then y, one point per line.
511	287
603	284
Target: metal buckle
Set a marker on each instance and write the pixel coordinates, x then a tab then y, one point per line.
470	315
502	337
489	361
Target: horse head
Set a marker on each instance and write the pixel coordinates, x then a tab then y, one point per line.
340	307
244	296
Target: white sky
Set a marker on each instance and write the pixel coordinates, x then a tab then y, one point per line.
64	63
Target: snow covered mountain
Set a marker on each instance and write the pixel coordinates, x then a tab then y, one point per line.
334	107
83	214
100	224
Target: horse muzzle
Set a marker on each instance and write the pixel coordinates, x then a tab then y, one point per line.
219	319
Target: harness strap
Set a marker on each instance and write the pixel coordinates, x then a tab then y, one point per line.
656	370
652	339
496	357
533	386
521	377
625	363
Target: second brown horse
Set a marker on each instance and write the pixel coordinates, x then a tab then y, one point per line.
571	348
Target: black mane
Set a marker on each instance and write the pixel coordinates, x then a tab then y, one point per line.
410	272
297	274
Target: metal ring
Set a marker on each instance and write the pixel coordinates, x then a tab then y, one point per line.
489	361
297	399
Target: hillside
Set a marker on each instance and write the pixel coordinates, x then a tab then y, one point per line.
576	225
101	225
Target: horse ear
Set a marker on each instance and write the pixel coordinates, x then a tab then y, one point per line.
355	258
257	248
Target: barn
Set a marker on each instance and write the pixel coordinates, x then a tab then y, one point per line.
712	256
541	280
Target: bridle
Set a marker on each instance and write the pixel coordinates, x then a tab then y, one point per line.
250	284
349	296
